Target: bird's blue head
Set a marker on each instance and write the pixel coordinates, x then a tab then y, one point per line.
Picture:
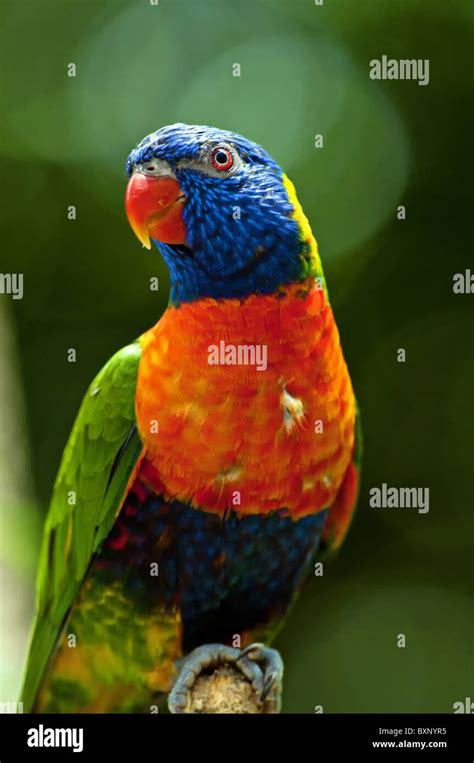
221	212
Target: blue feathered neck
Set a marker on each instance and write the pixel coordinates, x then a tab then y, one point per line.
239	244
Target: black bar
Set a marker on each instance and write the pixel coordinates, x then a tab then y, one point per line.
303	737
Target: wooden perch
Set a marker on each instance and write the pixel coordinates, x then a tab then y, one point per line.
225	690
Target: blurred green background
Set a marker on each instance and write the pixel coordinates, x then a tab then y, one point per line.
304	71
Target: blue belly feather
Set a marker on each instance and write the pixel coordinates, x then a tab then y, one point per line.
225	575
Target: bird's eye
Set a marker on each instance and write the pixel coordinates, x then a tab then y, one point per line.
221	158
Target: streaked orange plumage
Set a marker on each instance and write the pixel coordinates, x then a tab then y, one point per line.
212	432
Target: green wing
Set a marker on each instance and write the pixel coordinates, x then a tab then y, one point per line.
101	453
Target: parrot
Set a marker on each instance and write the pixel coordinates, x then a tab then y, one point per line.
213	459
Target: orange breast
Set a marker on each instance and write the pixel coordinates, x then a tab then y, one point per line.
247	405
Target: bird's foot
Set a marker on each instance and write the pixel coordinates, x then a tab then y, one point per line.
271	669
262	666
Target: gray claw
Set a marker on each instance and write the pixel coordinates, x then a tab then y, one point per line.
271	666
268	685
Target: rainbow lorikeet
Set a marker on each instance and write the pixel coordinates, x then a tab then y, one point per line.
211	458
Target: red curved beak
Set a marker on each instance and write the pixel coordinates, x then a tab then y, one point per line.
154	207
